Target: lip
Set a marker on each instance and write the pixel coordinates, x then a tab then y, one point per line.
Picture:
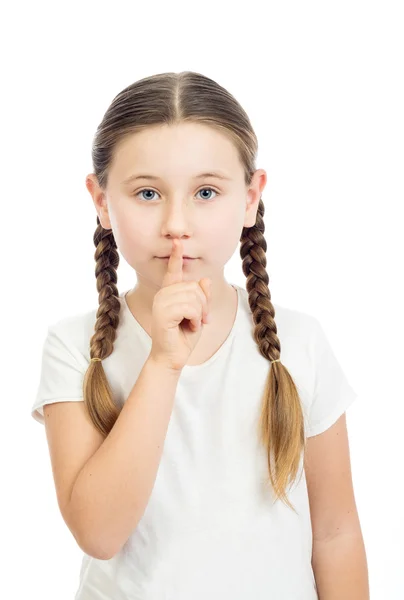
184	257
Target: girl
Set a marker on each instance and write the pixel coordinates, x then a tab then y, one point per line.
191	458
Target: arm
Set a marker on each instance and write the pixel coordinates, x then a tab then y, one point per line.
340	567
339	558
112	490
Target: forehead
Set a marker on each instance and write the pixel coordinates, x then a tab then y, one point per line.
169	150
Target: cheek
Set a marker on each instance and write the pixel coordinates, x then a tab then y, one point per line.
223	239
132	236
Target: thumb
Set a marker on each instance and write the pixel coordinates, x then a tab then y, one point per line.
174	272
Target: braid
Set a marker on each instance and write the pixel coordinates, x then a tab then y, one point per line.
252	250
97	392
107	261
281	425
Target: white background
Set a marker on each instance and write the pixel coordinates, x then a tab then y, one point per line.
322	83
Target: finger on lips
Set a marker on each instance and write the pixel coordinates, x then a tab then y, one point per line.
175	267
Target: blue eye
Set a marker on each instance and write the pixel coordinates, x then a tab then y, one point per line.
146	190
153	192
209	189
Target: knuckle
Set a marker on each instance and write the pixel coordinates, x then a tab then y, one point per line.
191	310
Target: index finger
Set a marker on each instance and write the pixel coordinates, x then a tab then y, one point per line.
174	266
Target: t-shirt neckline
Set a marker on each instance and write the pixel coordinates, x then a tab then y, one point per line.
187	368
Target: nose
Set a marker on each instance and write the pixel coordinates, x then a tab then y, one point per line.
176	220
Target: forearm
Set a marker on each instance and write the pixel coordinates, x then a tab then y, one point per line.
112	490
340	568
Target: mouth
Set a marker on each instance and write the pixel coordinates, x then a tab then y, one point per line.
184	258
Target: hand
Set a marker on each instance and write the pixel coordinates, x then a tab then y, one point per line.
179	311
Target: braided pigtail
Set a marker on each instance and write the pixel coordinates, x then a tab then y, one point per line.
97	393
281	425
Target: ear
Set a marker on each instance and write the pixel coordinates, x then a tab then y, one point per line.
254	192
99	200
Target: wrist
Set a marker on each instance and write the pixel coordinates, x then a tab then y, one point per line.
162	368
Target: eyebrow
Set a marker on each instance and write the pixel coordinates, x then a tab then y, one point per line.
213	174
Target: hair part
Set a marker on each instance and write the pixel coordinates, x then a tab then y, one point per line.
174	98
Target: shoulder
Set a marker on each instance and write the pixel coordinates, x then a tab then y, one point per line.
72	333
291	323
295	322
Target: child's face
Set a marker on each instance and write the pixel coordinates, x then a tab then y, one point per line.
145	214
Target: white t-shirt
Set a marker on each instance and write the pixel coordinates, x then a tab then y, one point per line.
210	529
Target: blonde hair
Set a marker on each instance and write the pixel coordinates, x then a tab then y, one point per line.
173	98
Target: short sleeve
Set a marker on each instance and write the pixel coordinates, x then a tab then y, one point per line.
61	375
332	392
